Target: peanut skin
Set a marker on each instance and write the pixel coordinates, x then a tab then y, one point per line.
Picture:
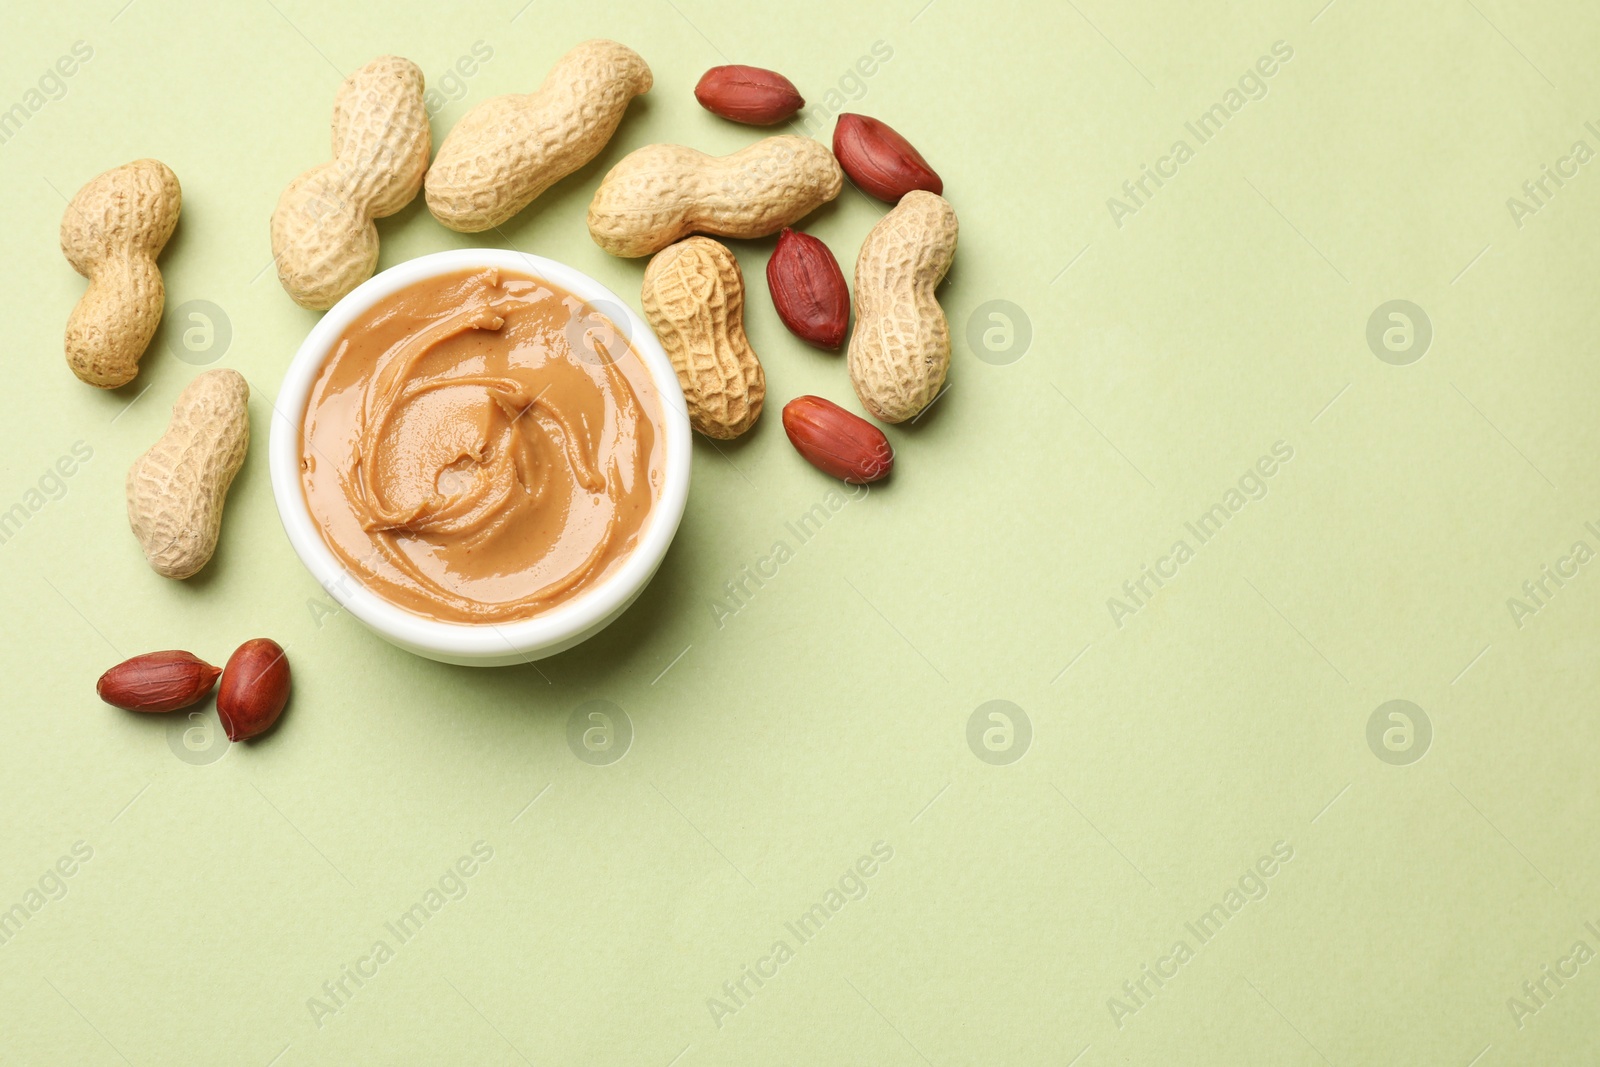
509	149
323	237
663	192
694	300
112	232
900	351
177	489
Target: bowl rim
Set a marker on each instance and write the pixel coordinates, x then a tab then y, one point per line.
562	625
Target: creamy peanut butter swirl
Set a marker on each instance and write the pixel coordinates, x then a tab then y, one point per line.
471	464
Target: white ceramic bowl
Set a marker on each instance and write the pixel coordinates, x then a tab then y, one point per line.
485	645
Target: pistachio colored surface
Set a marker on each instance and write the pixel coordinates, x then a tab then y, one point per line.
774	740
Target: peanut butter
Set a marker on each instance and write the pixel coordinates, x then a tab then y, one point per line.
481	447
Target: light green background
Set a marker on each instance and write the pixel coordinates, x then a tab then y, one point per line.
1167	754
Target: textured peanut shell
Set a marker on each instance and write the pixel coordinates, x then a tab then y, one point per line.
323	237
177	489
694	300
900	351
663	192
112	232
509	149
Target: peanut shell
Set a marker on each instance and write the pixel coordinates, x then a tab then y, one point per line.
509	149
177	489
324	241
111	233
664	192
694	300
900	351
